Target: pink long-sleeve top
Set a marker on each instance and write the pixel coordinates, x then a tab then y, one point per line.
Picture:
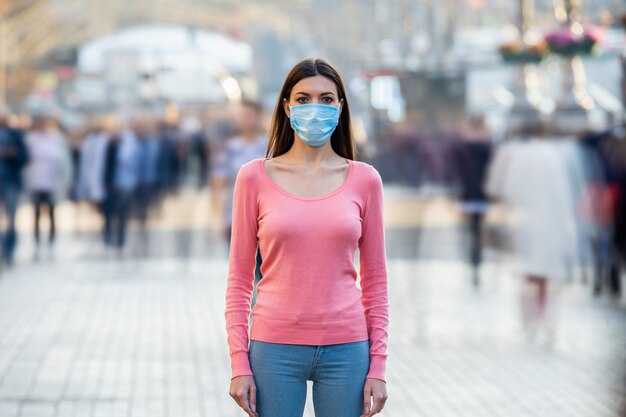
309	293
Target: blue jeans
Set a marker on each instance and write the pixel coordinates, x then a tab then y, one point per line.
9	198
281	372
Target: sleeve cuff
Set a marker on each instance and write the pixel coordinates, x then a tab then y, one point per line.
378	365
240	364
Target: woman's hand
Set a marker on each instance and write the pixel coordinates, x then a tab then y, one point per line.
243	391
374	396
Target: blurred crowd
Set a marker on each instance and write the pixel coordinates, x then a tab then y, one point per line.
123	167
564	196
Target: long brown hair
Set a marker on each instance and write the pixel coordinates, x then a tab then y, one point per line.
282	136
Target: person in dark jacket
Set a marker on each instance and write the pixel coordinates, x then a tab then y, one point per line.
13	157
470	156
109	204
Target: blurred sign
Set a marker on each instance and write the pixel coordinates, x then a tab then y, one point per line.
90	90
384	90
386	94
65	72
121	66
45	85
121	75
440	97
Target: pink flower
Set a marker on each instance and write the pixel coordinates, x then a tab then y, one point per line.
566	37
562	37
594	33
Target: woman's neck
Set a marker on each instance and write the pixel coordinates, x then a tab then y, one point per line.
302	154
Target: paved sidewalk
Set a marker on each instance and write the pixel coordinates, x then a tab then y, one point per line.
146	338
88	334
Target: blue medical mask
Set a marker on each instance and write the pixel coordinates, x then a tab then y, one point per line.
314	123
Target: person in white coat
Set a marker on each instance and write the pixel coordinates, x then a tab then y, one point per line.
541	181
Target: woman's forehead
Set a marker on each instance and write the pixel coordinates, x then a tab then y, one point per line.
317	84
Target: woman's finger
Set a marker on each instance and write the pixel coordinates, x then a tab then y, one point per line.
378	402
253	398
244	403
367	401
375	406
382	403
242	400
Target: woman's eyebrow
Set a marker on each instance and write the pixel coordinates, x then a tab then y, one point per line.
307	94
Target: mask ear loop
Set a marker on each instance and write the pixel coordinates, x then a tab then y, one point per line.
340	110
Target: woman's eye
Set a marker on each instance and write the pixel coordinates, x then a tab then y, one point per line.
327	100
301	99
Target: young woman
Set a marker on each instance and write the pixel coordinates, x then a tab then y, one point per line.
308	207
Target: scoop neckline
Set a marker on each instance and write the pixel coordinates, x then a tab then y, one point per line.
320	197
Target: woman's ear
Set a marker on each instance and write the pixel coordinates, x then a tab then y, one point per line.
286	107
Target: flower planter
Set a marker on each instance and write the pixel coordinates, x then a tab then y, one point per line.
518	53
566	42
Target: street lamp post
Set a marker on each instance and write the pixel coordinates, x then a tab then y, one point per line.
526	107
3	65
575	105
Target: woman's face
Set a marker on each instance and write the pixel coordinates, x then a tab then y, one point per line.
313	90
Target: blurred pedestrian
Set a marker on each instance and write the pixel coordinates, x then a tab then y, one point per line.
13	157
194	144
122	176
541	180
470	157
170	160
149	181
90	182
615	151
48	173
249	143
109	204
308	205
